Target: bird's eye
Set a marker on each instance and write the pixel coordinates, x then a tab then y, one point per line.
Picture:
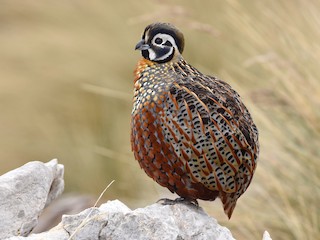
158	40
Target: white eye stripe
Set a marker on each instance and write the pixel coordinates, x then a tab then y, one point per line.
146	36
165	38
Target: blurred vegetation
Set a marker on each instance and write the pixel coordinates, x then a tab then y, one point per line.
66	86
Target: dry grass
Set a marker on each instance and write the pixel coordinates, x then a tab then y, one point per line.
66	81
87	219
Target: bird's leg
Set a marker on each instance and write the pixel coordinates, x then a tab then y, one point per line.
166	201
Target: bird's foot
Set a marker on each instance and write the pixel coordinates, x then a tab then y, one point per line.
166	201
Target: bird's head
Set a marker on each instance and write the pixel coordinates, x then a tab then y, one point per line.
161	42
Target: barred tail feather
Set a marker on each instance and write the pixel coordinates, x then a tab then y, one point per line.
229	201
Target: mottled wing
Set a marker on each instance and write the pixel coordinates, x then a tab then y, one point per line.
211	132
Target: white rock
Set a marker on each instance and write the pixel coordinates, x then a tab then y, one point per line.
24	192
114	220
56	233
179	221
114	206
266	236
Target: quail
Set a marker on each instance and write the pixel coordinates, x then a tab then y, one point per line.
190	132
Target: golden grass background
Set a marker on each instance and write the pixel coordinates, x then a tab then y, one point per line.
66	85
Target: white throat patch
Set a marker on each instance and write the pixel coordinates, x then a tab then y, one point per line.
165	38
152	54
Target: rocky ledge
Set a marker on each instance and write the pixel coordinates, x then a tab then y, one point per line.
26	191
